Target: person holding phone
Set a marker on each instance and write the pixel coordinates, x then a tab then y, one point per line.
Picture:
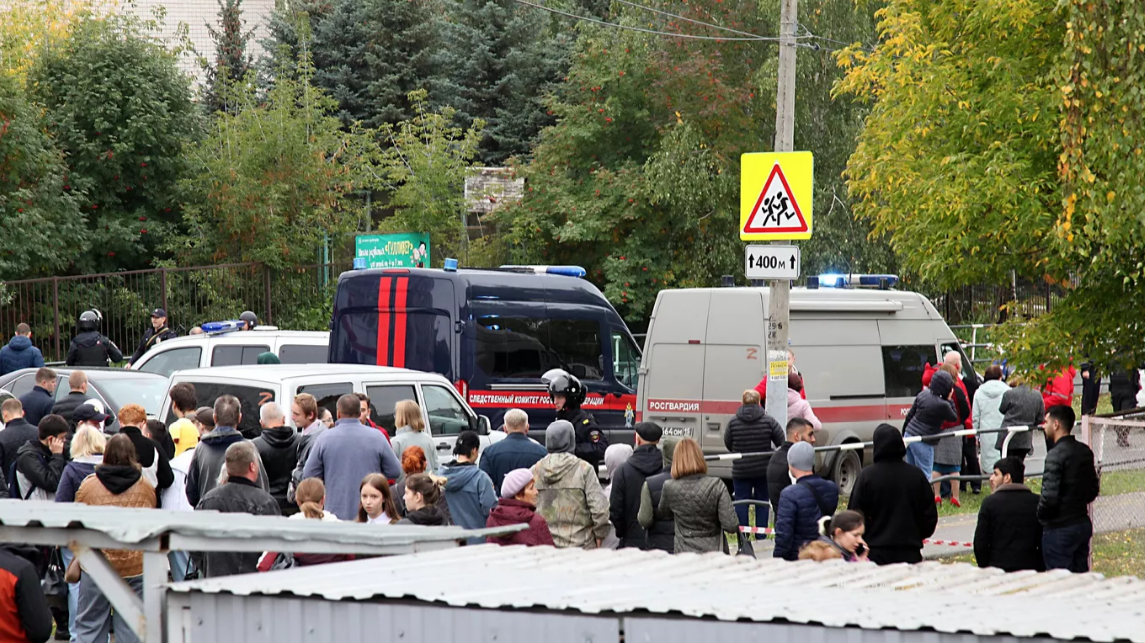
844	531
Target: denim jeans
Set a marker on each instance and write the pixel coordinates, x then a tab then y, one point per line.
93	622
73	593
921	455
751	489
1068	547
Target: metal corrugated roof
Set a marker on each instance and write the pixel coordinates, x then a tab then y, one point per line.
135	526
929	596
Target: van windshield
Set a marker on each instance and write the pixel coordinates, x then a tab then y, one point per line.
521	347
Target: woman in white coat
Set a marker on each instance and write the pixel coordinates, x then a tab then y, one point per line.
986	415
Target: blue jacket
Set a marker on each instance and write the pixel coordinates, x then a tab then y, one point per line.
801	505
38	404
342	457
516	451
469	493
19	353
74	474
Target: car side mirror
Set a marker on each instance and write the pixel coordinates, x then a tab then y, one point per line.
484	426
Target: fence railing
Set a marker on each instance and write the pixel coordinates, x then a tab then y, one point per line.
994	303
298	298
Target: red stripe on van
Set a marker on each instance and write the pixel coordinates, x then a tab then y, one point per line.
400	322
827	414
529	400
384	286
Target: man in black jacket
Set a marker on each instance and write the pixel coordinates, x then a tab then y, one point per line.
90	347
1009	535
77	395
752	430
567	394
157	333
660	531
1068	486
39	401
17	432
151	457
624	505
896	499
240	494
278	447
40	463
778	478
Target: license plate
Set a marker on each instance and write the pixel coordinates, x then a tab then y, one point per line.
678	431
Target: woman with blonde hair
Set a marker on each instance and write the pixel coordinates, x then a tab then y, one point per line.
411	433
311	497
699	503
87	452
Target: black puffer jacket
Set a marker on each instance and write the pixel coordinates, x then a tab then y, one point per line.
931	409
278	448
752	430
1008	535
897	501
65	407
624	505
1069	484
778	478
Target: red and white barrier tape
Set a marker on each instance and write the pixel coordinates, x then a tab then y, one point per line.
948	543
757	530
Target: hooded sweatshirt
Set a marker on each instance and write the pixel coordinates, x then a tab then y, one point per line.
931	409
799	407
119	486
570	498
624	501
278	448
752	430
19	353
510	511
985	415
208	461
426	516
897	501
470	495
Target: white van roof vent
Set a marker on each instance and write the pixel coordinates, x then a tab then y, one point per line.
882	282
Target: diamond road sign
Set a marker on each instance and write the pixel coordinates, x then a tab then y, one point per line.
771	262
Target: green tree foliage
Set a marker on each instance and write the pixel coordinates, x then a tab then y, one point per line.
422	168
498	61
639	180
121	112
39	218
957	163
269	181
232	61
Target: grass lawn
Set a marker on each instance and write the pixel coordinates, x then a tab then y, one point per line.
1120	553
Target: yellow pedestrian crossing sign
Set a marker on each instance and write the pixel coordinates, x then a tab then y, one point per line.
775	196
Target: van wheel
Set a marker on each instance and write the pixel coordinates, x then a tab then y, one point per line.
846	470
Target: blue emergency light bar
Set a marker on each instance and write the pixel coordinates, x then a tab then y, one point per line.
860	281
223	326
567	271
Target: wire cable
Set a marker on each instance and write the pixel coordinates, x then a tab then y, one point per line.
698	22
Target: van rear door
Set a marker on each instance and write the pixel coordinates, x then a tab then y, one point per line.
733	362
672	372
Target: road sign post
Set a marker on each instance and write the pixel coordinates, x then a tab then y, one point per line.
771	262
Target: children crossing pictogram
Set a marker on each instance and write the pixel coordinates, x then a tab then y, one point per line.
776	209
775	196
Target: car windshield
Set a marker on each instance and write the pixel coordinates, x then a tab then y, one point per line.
145	391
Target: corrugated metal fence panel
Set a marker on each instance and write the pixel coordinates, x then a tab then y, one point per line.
258	619
650	630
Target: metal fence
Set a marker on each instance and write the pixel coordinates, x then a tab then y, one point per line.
297	298
1118	445
983	303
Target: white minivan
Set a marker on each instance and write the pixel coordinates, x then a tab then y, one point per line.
861	354
235	348
446	414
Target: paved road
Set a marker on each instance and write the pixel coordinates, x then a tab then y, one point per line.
1111	513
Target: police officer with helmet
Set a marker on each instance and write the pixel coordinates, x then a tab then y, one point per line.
567	394
249	319
90	347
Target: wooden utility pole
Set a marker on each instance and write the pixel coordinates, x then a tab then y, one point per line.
779	309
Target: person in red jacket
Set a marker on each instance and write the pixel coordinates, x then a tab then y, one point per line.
1058	390
761	388
518	504
24	612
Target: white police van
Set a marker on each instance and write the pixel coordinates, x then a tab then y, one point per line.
232	347
861	352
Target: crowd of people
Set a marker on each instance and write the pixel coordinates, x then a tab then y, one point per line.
659	495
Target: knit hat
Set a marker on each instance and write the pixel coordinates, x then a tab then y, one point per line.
515	482
941	383
560	437
801	456
649	431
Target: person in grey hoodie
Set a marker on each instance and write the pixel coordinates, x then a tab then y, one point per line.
986	414
569	496
210	454
411	433
930	410
1021	406
468	490
305	413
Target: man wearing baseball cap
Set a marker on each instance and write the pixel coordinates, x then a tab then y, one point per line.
157	333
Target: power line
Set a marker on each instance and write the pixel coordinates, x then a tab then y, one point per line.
698	22
652	31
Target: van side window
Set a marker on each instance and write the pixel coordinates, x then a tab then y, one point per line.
383	400
519	347
302	354
903	367
232	355
250	397
625	360
576	345
168	362
967	365
327	395
446	415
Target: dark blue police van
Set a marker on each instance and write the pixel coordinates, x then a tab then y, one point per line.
493	333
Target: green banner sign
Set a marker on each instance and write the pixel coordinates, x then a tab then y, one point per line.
402	250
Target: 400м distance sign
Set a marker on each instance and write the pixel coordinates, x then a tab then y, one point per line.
775	196
771	262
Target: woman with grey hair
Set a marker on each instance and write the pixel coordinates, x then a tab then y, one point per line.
569	496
